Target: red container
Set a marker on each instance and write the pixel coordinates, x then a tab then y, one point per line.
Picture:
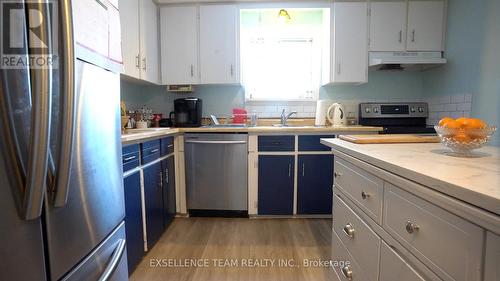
239	116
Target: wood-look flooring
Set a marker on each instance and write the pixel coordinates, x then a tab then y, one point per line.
242	240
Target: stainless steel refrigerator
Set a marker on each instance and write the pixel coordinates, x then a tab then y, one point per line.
61	189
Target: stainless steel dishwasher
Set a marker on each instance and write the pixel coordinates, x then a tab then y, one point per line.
216	174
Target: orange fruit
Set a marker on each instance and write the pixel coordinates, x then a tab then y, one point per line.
452	124
462	137
445	120
463	122
475	123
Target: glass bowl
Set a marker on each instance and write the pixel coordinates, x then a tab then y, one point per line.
462	141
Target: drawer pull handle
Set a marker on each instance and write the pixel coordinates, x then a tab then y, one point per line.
336	174
364	195
129	158
411	227
349	230
347	272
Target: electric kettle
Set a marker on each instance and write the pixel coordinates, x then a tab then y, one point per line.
336	115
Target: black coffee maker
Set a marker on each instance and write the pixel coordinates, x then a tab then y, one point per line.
187	112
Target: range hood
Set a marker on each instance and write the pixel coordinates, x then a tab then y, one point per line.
405	60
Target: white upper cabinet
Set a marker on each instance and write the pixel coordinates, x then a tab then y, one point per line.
426	25
388	26
219	44
129	17
139	30
149	41
179	45
350	42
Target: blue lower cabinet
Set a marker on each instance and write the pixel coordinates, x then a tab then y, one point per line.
153	197
168	171
133	220
315	180
276	182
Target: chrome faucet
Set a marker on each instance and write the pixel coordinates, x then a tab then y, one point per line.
285	117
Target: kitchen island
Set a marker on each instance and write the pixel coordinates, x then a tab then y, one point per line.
418	213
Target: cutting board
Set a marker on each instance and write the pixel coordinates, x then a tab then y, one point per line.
397	138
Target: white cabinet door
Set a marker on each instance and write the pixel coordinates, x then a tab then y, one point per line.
129	20
148	12
492	260
388	26
350	47
219	44
425	25
179	45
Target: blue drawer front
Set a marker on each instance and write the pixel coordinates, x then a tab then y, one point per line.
130	161
312	143
150	151
130	157
166	146
130	149
276	143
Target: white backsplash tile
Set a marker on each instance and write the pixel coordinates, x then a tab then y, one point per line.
453	106
458	98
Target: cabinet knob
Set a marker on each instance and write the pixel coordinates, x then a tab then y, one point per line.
412	227
347	272
349	230
337	174
365	195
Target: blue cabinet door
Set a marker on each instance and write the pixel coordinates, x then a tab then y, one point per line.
133	220
276	181
315	180
168	171
153	197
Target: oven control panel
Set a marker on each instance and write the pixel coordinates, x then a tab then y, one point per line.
394	110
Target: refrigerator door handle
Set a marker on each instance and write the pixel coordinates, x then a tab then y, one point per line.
115	260
41	89
68	106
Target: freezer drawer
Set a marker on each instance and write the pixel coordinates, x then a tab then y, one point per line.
107	262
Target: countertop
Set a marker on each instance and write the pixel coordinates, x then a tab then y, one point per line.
135	135
473	180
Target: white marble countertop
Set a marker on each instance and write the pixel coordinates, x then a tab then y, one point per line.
134	135
472	180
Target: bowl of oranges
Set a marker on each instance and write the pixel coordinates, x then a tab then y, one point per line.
463	134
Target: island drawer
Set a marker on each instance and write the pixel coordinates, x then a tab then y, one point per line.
312	143
363	243
363	188
345	266
276	143
393	267
449	245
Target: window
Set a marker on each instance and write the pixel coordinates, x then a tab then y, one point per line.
283	52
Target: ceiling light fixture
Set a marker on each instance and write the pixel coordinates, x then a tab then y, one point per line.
283	16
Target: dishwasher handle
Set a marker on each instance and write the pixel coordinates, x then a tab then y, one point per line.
215	142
